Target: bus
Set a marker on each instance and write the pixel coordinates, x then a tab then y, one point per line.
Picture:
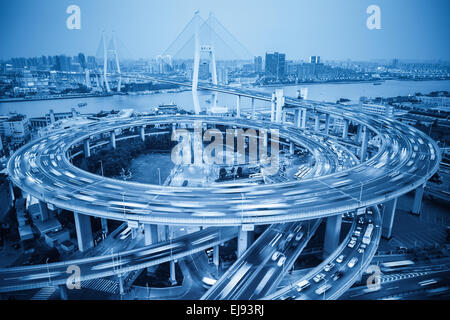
368	234
395	265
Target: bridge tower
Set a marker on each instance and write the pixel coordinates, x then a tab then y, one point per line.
198	49
109	53
105	63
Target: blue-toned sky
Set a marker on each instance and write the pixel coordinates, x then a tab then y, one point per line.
333	29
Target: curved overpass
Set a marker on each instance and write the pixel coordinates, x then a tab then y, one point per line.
405	160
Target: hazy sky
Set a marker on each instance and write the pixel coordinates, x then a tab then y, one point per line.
333	29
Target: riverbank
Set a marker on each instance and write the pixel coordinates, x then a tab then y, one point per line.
57	97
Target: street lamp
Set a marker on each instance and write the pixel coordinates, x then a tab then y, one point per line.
159	174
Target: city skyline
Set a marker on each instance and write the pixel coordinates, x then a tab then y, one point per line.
323	27
242	151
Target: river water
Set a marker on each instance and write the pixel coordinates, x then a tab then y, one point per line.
330	92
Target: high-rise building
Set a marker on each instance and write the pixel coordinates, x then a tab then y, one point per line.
91	62
222	75
17	128
203	72
258	64
314	59
62	63
275	65
82	60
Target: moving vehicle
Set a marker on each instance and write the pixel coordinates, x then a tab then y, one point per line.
289	237
125	233
340	258
362	248
275	255
336	276
303	284
395	265
352	262
368	234
319	277
352	244
322	289
328	267
281	261
299	236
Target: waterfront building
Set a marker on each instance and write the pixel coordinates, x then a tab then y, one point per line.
275	65
258	64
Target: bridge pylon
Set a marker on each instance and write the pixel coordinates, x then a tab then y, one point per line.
110	53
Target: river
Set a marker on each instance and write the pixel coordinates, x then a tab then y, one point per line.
329	92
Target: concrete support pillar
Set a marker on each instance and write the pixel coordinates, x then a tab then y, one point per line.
298	118
238	106
113	139
279	105
121	289
388	218
143	133
327	124
216	256
359	133
345	129
63	292
173	278
104	225
245	238
332	234
88	78
365	138
253	108
317	123
44	210
87	148
283	116
304	115
167	233
291	148
11	192
418	195
272	108
84	231
150	234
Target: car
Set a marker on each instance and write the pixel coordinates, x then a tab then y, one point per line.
289	237
352	244
275	255
352	262
336	276
322	289
328	267
303	284
299	236
357	233
319	277
125	233
362	248
361	220
340	258
281	261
